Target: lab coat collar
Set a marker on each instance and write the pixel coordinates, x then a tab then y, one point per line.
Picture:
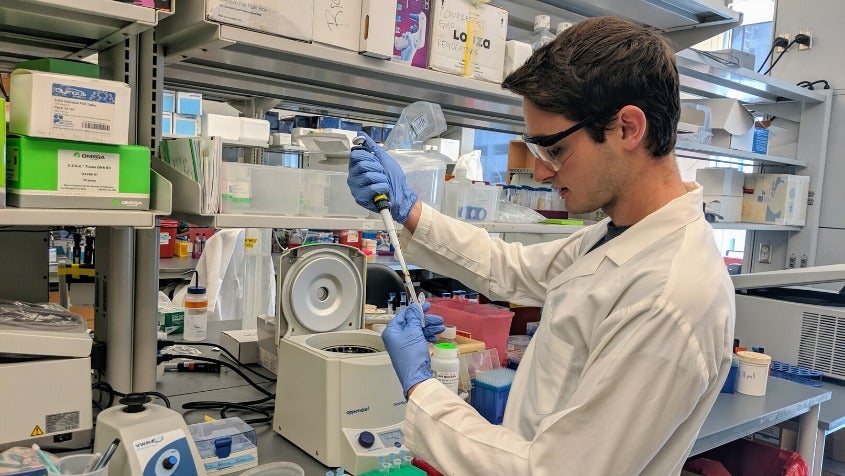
674	215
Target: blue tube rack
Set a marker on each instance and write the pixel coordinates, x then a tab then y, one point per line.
796	374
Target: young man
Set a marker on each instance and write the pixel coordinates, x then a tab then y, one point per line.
635	336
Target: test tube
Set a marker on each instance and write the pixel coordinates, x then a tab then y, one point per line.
403	300
390	300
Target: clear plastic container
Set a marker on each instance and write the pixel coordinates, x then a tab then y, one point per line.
325	194
196	314
279	468
425	173
471	201
259	189
541	34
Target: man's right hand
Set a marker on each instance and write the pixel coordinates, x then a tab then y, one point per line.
373	172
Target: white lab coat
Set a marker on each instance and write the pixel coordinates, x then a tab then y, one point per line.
633	346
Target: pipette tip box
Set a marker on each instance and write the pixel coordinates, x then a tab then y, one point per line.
225	446
490	390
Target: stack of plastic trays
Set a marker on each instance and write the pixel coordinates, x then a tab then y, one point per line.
490	391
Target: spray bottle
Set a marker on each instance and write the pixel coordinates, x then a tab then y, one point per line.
196	311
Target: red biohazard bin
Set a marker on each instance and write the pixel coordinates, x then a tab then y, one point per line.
167	237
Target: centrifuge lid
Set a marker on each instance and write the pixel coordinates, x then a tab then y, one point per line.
321	289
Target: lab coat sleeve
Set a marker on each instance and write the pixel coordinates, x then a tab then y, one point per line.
632	398
499	270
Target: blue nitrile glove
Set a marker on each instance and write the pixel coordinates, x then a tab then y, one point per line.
405	341
373	172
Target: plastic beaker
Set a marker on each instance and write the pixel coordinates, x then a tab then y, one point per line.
77	465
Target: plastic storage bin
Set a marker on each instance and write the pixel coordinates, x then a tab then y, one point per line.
485	322
259	189
325	193
471	201
167	237
425	172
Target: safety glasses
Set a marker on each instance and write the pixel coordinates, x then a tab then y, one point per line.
546	148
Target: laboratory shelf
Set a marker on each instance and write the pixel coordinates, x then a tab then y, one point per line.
280	221
161	192
706	77
230	62
721	225
538	228
721	154
69	29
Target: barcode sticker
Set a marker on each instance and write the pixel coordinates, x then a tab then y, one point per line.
99	126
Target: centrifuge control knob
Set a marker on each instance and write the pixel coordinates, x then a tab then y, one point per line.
169	462
366	439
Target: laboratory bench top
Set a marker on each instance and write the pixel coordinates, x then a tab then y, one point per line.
733	415
832	416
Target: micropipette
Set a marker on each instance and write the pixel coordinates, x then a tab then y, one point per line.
383	204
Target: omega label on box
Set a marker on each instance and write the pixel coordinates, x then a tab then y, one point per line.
47	173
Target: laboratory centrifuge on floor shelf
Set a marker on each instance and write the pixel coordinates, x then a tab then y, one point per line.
337	396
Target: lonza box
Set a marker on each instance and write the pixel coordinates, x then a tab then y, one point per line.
776	199
61	106
48	173
468	40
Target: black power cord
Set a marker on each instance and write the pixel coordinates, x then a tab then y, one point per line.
777	42
800	39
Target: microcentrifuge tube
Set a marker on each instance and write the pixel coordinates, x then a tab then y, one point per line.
329	473
390	300
407	459
340	472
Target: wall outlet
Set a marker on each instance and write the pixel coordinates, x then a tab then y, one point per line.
806	47
765	254
788	37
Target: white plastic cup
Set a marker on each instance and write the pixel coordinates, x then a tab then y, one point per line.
76	465
753	373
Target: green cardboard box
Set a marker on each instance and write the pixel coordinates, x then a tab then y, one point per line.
3	153
51	173
171	320
62	66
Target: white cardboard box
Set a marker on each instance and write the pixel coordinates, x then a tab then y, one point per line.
377	27
227	128
61	106
290	18
242	343
337	23
727	207
468	40
731	124
775	199
721	181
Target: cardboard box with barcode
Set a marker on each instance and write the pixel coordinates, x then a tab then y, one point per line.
468	39
775	199
61	106
731	124
49	173
241	343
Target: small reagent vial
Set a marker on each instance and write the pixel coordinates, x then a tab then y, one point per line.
196	312
445	365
